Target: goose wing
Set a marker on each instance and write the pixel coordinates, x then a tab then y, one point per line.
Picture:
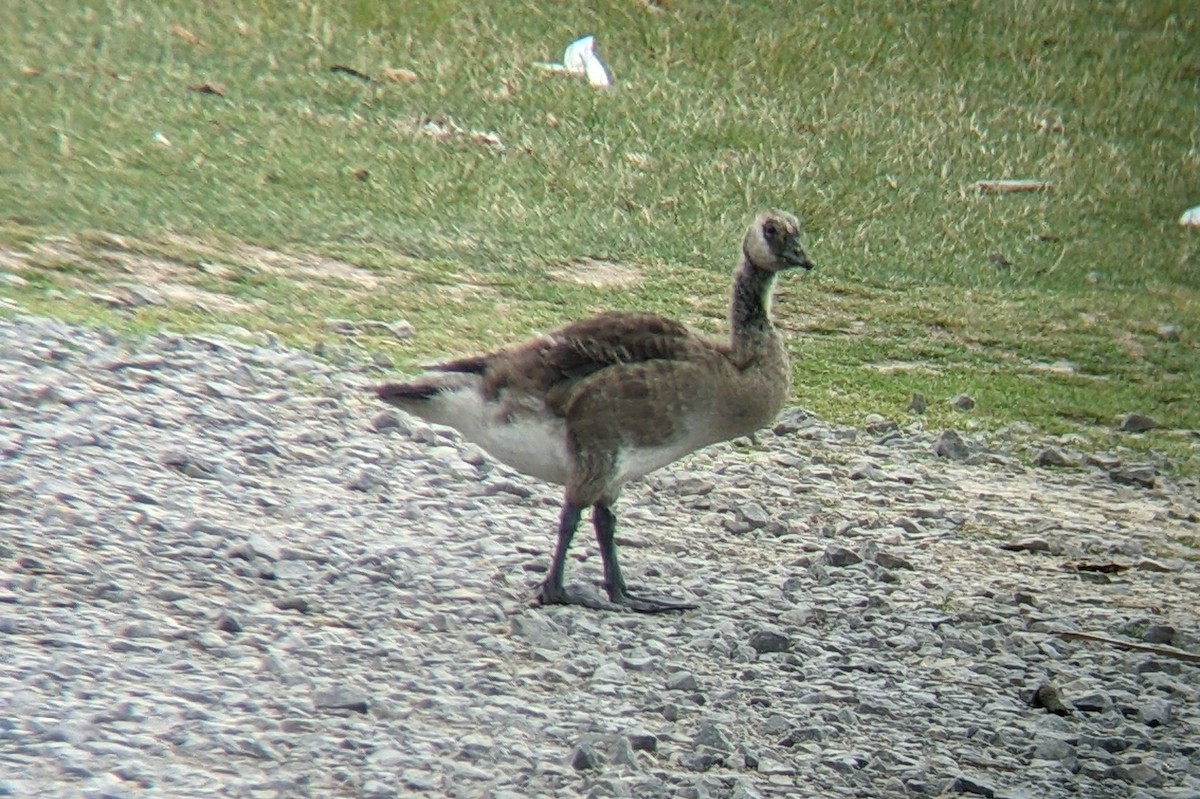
549	364
586	347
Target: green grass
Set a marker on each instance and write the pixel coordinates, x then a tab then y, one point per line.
870	120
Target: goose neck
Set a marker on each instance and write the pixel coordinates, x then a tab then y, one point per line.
750	305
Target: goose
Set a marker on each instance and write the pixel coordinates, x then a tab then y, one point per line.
606	400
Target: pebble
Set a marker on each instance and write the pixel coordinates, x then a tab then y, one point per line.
1167	332
951	445
764	641
1159	633
1141	475
962	402
682	681
840	556
1136	423
216	585
1053	456
1155	712
585	758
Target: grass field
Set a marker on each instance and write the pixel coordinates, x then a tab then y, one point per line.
211	152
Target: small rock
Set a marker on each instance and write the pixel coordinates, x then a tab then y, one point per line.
702	761
1049	747
792	420
585	758
1138	774
296	603
962	784
341	699
877	424
508	487
1102	460
865	470
1167	332
951	446
367	479
891	562
609	673
639	661
694	486
1136	423
963	402
1052	456
840	556
401	329
1155	713
1159	634
762	641
264	547
643	741
1094	702
188	465
1109	743
710	736
744	789
619	751
754	515
227	623
386	420
1028	545
1142	476
681	681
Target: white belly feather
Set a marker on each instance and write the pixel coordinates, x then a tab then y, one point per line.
530	439
530	442
636	462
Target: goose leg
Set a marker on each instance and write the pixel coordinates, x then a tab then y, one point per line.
605	523
553	591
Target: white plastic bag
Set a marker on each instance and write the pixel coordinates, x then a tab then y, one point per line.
580	59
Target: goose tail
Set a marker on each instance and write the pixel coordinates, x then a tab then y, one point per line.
451	398
425	387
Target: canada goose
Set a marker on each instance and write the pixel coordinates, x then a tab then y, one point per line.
609	399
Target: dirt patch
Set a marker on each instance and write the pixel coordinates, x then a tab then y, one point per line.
13	261
896	367
132	272
597	273
184	294
308	266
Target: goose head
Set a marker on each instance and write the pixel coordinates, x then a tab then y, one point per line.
772	243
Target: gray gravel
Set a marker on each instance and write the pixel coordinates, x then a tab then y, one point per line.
224	571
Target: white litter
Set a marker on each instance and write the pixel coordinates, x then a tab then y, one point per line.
1191	217
580	59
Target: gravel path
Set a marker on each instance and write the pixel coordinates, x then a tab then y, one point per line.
224	571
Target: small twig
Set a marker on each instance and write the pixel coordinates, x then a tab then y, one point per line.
351	71
1009	186
1165	651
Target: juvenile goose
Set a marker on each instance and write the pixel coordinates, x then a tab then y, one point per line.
609	399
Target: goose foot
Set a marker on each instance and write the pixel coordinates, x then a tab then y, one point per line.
576	595
588	598
644	604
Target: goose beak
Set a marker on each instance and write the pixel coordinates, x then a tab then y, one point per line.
796	259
